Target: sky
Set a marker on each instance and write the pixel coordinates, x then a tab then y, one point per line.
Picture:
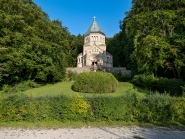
78	15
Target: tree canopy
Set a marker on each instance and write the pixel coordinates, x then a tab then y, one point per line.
31	45
153	37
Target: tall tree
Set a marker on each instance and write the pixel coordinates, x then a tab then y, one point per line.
156	32
32	46
117	46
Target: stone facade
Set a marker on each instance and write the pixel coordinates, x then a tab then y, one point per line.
94	49
94	56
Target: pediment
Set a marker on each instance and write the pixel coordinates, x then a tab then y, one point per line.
94	49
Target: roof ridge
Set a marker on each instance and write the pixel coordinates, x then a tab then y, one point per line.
94	27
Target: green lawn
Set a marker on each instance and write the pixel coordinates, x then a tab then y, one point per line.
64	88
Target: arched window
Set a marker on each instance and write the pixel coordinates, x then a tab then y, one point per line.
107	59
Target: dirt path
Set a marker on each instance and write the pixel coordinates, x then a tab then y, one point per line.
93	133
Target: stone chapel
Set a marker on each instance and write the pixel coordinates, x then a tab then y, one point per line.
94	49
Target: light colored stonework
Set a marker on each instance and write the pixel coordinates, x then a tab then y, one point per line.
94	56
94	49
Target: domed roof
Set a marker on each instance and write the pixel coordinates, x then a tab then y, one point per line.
94	28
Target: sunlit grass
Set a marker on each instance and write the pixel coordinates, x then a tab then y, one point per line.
64	88
72	124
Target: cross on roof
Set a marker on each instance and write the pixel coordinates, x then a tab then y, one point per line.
94	18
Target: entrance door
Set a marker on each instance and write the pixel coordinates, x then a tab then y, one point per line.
94	63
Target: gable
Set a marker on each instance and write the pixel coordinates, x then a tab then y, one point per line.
94	49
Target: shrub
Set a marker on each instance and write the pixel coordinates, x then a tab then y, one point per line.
172	86
163	85
153	108
129	107
20	87
71	75
18	107
177	110
120	108
95	82
183	91
145	81
0	81
122	78
65	108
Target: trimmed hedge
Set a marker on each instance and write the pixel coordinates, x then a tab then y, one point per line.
164	85
95	82
129	108
61	108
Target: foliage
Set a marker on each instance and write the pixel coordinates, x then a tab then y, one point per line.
177	109
183	91
152	36
0	81
151	39
61	108
95	82
71	75
163	85
21	87
1	74
75	43
108	108
153	108
116	46
145	81
68	108
122	78
32	46
130	107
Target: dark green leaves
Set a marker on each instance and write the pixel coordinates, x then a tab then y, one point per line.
32	46
155	32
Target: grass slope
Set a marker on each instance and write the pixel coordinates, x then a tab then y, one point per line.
64	88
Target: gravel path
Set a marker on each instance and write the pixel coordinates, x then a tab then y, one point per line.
93	133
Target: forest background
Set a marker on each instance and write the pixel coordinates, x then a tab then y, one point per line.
33	47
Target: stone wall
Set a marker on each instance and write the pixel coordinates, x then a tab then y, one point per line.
123	70
78	69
